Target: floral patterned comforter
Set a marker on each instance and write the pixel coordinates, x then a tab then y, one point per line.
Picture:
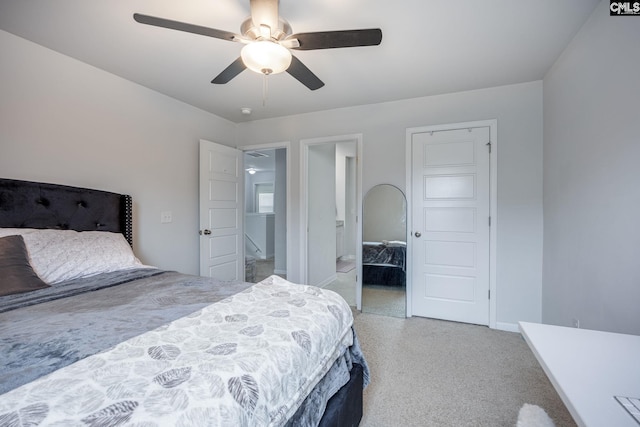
248	360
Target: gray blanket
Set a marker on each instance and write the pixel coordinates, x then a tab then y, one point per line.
59	330
384	254
44	337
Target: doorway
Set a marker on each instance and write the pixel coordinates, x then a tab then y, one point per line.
451	185
265	214
331	206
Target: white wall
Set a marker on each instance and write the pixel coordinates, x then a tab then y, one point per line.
66	122
518	109
592	178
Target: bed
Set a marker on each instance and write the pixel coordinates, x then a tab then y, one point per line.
91	336
383	263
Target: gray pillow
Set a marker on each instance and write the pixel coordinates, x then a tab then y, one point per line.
16	274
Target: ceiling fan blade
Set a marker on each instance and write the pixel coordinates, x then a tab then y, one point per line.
336	39
183	26
265	12
304	75
230	72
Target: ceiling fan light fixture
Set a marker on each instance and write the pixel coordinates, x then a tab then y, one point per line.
266	57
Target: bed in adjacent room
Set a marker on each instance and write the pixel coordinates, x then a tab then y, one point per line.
383	263
91	336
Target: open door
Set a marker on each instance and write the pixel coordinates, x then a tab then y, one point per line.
221	212
265	220
318	198
321	226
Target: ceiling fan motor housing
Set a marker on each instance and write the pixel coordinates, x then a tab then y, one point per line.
253	32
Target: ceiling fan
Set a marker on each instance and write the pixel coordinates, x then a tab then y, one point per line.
269	39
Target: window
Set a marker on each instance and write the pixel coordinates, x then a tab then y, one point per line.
264	197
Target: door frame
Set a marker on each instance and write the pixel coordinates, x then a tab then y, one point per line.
304	201
492	124
287	146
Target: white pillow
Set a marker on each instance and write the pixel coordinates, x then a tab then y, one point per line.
58	255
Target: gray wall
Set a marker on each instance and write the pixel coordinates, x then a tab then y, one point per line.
66	122
592	178
518	109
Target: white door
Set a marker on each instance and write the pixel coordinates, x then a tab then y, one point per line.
450	224
321	214
221	212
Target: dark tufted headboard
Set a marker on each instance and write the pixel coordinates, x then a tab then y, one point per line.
25	204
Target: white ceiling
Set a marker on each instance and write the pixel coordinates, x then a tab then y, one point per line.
428	47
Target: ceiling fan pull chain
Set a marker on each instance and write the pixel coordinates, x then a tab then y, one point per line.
265	89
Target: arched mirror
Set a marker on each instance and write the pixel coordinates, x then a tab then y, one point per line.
384	249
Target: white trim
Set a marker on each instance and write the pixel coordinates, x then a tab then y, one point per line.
408	193
509	327
304	166
287	146
327	281
493	238
492	124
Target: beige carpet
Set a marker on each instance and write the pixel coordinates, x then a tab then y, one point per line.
434	373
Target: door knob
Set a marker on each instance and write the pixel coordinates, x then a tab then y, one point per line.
205	232
417	234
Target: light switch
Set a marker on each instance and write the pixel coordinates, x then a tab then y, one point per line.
165	217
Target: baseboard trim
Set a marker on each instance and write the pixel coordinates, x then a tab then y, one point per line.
326	281
509	327
279	271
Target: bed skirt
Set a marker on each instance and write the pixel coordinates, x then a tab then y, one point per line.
383	275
